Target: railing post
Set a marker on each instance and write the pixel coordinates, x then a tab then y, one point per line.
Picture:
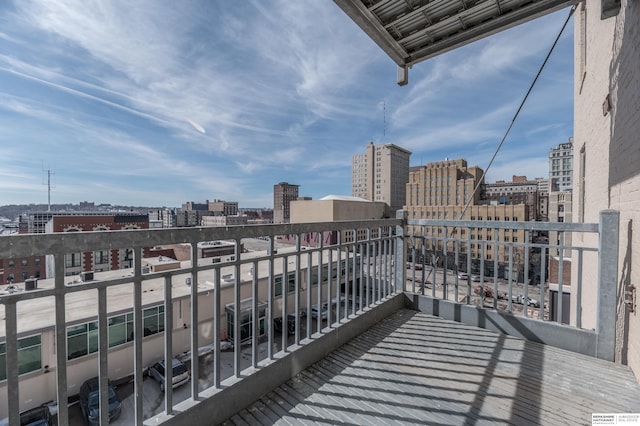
401	253
607	279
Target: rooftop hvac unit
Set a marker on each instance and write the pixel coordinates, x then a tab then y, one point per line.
187	281
86	276
30	284
146	269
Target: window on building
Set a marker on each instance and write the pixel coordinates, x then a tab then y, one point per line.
11	264
291	283
29	356
73	260
153	321
100	257
82	339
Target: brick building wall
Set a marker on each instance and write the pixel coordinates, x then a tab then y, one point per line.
607	151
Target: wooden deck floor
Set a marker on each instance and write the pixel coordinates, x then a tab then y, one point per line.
414	368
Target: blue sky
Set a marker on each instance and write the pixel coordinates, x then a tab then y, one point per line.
114	96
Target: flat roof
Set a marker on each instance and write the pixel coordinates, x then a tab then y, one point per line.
38	314
413	31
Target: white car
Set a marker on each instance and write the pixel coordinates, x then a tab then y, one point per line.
319	312
337	300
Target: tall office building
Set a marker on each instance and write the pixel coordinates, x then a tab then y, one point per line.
381	174
561	167
440	191
283	194
560	195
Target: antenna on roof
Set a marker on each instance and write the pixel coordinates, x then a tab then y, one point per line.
384	120
49	174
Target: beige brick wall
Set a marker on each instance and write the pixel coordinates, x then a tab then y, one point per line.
610	146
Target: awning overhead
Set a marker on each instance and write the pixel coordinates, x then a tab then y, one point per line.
410	31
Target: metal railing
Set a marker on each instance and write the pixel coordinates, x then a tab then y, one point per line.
343	267
333	272
515	269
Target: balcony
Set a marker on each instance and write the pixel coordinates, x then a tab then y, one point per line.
406	337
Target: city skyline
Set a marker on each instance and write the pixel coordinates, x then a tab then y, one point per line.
135	104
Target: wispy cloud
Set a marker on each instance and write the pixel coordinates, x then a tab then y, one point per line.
287	91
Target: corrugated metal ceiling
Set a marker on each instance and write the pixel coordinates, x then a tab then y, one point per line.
410	31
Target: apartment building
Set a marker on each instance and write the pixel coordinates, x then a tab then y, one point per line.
104	259
440	191
283	194
519	191
380	174
224	208
543	198
561	167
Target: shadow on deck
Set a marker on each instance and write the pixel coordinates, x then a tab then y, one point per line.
414	368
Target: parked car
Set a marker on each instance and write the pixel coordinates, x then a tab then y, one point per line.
416	266
336	300
475	278
534	303
463	276
291	323
181	373
39	416
319	311
89	399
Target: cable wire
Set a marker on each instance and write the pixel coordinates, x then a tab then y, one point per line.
515	116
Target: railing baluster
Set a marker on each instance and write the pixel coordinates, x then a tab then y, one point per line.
469	254
510	279
271	298
320	284
195	321
103	352
543	270
296	309
255	316
138	319
217	311
13	383
61	342
579	291
560	275
168	345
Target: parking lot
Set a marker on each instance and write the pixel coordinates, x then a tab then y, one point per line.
153	398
